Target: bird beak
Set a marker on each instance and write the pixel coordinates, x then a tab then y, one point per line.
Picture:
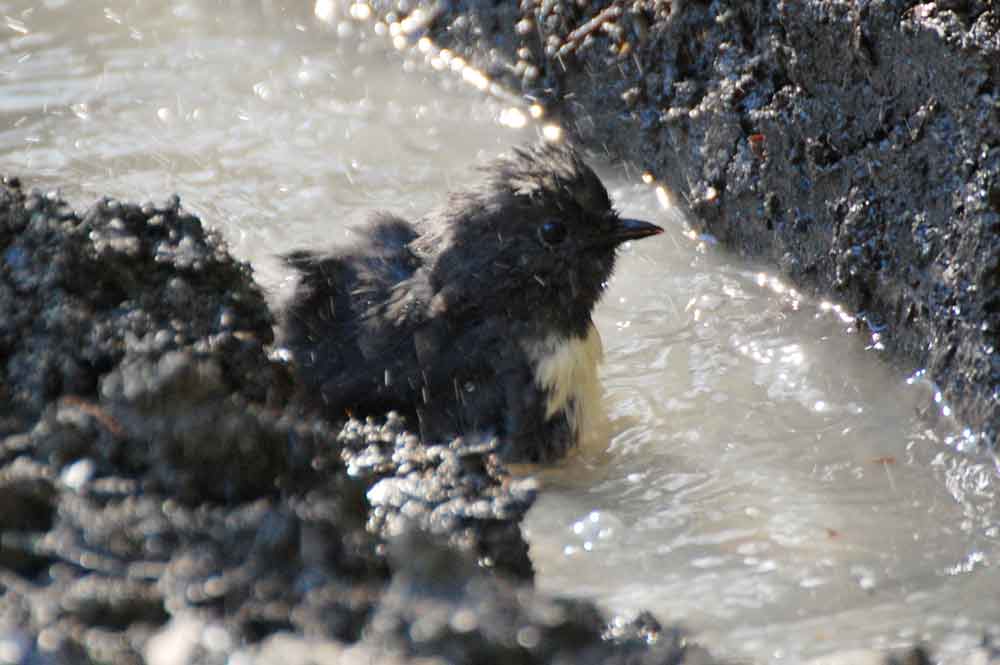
633	229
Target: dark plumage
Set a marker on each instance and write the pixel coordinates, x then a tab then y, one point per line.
476	319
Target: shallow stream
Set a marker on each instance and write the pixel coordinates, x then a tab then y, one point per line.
767	479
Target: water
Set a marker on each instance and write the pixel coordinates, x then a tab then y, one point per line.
767	479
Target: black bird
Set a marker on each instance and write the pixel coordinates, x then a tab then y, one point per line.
474	320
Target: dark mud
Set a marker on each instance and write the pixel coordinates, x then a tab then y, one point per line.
854	146
164	501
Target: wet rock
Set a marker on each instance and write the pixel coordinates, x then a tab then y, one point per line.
459	491
79	294
176	419
441	605
28	497
180	515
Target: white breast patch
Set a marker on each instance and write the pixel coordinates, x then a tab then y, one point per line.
566	368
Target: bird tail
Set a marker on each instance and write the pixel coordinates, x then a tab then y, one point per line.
340	320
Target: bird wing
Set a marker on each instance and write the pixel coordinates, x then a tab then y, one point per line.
350	323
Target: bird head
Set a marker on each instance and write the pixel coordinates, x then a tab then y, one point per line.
536	242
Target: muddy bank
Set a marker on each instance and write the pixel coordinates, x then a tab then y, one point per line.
854	146
165	502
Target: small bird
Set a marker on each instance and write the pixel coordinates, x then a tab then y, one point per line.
476	320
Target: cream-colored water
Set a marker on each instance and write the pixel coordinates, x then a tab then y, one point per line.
767	480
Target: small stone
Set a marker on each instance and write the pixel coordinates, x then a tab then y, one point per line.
631	97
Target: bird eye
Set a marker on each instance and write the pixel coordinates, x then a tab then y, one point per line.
552	233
